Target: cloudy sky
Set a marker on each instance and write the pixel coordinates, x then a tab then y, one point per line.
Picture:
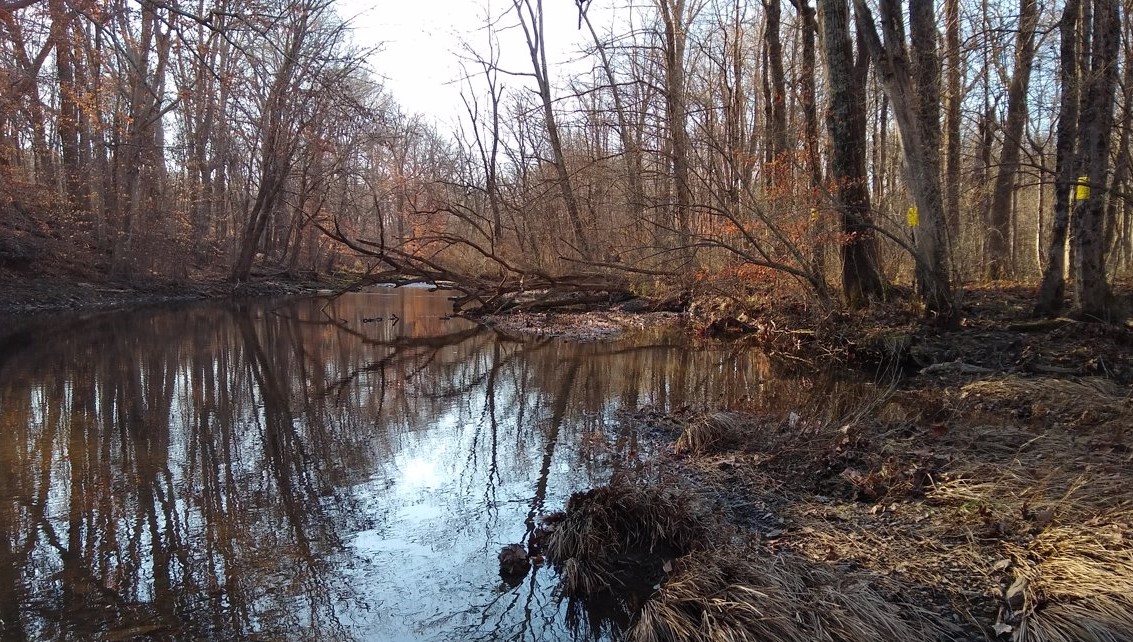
422	41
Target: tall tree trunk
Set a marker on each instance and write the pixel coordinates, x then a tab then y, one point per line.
68	121
531	19
276	154
676	111
777	103
1000	212
914	91
1087	228
861	278
1053	287
1116	232
952	120
808	30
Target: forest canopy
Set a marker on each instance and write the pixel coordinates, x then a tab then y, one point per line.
834	148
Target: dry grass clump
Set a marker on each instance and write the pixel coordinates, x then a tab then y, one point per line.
714	431
1078	584
1081	402
608	523
712	588
737	595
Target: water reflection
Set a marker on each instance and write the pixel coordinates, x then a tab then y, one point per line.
306	469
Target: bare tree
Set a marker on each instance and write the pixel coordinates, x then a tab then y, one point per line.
531	20
996	247
910	74
861	276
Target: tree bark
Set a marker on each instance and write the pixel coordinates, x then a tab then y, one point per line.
777	105
952	120
914	91
1000	217
1053	287
861	278
808	30
676	111
1087	227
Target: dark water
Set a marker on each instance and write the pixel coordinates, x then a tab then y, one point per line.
295	470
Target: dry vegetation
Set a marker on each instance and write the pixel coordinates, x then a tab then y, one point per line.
989	503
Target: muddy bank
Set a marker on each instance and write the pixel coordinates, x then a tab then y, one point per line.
995	334
36	295
993	508
978	491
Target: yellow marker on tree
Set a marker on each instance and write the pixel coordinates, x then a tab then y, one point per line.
1082	189
913	217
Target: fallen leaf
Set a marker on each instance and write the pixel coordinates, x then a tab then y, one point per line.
1001	565
1016	595
1044	517
1001	629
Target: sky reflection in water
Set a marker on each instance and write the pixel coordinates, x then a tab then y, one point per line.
307	469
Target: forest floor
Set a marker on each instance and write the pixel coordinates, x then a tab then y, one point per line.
979	488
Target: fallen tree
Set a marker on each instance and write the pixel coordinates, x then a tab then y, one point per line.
512	287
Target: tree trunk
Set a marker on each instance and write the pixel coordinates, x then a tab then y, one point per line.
1053	287
861	278
1087	228
914	91
533	29
68	107
999	214
953	117
675	37
808	30
777	105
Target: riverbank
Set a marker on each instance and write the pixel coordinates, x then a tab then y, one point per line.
43	295
925	512
978	489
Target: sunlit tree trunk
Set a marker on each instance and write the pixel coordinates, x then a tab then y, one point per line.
1087	227
676	16
997	256
1053	287
910	76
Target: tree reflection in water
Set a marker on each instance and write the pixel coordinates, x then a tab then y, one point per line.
285	470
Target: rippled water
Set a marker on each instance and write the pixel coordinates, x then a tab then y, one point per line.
307	469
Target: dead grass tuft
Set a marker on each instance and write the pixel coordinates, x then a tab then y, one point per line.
738	595
1078	583
605	528
711	432
713	587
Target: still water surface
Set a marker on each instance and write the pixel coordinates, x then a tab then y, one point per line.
308	469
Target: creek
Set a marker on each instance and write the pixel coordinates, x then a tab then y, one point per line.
317	468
